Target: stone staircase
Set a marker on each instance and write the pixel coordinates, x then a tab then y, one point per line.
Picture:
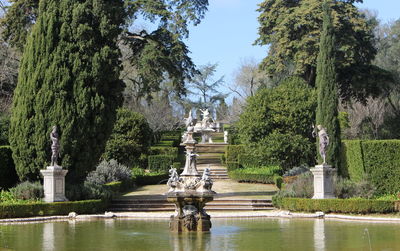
161	204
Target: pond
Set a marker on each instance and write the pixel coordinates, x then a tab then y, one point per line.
227	234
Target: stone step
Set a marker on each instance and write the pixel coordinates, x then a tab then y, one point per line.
159	205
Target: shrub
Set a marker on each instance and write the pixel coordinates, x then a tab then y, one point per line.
47	209
259	174
160	163
4	127
357	205
108	171
278	180
131	136
345	188
165	143
232	152
8	175
284	149
302	187
249	160
296	171
277	120
28	191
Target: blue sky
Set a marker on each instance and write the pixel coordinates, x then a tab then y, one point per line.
229	29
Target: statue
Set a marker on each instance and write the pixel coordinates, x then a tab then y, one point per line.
189	120
206	118
206	179
323	142
55	146
226	137
173	178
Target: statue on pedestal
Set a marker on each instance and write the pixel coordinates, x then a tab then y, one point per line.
323	142
55	146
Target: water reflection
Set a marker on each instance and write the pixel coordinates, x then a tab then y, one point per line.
48	237
319	235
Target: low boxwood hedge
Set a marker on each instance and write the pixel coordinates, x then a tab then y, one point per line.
162	150
355	205
151	178
48	209
260	174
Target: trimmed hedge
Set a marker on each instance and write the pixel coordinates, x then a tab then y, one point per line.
165	143
377	160
162	150
260	174
352	163
48	209
359	206
232	153
176	139
382	164
160	162
8	175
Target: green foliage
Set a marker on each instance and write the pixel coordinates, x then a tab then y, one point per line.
160	163
48	209
69	77
232	153
106	172
162	150
382	164
28	191
131	137
284	149
356	205
352	160
346	188
278	180
4	128
165	143
250	160
8	175
301	187
327	109
148	178
375	160
264	174
292	29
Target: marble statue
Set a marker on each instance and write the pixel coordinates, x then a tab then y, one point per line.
189	120
226	137
55	146
323	142
206	118
173	178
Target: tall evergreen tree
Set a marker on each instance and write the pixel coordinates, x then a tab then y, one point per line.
69	77
327	109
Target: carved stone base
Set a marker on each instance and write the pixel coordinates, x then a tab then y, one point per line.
190	214
186	224
54	184
323	181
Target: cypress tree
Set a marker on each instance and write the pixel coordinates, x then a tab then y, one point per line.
69	77
327	109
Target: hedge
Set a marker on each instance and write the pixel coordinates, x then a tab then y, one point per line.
248	160
48	209
352	160
359	206
376	160
382	164
162	150
259	174
176	139
160	162
8	175
165	143
232	153
151	178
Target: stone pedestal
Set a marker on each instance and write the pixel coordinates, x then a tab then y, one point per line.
190	214
323	181
54	183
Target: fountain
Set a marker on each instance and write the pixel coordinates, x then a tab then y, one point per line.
190	191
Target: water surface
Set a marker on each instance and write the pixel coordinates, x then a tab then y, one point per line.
226	234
